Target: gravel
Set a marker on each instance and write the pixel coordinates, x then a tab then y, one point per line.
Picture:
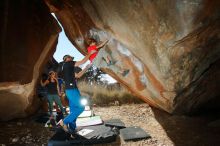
165	129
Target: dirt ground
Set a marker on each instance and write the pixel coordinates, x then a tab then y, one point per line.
165	129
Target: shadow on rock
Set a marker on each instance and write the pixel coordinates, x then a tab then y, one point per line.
190	130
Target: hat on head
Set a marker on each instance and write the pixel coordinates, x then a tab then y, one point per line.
66	56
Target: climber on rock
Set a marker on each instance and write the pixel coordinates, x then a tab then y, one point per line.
100	58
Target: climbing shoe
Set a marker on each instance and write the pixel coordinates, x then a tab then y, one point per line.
125	72
111	63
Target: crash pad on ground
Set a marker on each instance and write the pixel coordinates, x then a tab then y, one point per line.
89	135
133	133
115	123
88	121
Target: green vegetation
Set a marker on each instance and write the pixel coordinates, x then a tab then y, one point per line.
103	95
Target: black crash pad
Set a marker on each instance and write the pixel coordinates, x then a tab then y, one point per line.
98	135
133	133
115	123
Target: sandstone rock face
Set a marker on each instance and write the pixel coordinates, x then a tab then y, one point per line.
171	47
28	36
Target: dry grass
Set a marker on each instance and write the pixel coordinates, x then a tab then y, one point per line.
108	95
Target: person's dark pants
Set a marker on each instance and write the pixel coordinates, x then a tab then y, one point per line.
76	108
54	97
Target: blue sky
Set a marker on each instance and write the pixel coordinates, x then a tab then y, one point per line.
64	47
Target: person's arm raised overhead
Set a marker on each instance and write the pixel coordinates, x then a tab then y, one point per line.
102	44
78	63
78	75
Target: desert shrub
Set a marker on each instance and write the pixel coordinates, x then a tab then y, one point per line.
104	95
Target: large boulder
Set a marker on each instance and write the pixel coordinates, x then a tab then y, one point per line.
171	47
28	37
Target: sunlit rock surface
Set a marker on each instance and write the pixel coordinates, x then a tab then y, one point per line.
171	47
28	39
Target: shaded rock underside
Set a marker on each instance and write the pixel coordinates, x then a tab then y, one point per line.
171	47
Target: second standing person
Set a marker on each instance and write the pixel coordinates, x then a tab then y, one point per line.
53	92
